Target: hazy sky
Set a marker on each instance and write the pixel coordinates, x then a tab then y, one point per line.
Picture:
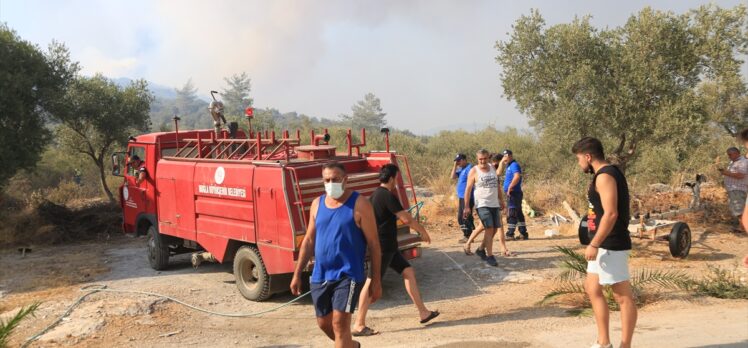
430	62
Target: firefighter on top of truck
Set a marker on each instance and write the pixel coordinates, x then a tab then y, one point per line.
138	167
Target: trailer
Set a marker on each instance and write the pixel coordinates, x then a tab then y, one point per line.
649	224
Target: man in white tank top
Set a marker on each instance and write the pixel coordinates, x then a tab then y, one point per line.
488	200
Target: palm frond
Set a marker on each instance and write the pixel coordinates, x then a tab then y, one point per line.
668	279
574	265
6	327
610	298
568	274
571	254
562	289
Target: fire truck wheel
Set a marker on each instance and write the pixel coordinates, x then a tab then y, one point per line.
680	240
158	251
252	278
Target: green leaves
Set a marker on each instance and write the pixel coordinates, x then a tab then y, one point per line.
574	265
236	96
97	114
720	283
31	83
565	288
632	86
367	113
644	282
7	327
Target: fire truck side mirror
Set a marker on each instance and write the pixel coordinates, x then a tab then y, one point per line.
117	161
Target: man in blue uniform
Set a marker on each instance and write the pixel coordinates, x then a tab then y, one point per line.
515	219
460	172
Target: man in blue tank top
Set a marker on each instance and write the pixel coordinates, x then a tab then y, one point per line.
341	226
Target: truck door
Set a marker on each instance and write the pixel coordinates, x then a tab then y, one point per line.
133	194
266	196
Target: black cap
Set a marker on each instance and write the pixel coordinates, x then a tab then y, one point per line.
460	156
134	158
507	152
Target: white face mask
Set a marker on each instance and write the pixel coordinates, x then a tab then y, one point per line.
334	189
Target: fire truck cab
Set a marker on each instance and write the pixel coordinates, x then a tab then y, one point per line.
242	198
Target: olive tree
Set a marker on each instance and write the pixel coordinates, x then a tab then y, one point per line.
98	114
31	82
631	86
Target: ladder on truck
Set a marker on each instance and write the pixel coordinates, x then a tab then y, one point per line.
410	189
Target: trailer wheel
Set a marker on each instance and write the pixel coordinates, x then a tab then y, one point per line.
680	240
252	277
158	251
584	235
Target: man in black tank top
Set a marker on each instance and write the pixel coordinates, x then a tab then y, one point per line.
608	251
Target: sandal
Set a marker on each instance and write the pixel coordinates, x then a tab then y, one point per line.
366	331
466	249
433	315
507	253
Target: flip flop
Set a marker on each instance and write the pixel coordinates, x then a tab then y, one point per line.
508	253
467	251
366	331
433	315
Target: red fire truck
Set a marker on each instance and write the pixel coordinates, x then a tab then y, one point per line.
227	195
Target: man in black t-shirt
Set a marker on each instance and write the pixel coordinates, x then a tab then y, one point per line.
387	210
608	252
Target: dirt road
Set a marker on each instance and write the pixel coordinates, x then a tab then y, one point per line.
482	306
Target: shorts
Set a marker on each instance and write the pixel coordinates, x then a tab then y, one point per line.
340	295
737	202
611	266
489	217
394	260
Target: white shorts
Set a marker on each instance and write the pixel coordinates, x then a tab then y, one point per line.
611	266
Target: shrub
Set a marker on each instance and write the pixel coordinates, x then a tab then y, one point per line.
720	283
7	327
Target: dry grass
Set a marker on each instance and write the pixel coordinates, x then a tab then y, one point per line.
50	223
441	185
66	191
440	209
22	226
548	196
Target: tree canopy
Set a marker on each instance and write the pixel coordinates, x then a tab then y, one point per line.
367	113
236	94
97	114
641	83
31	82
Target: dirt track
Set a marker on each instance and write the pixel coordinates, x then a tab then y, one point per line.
492	307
